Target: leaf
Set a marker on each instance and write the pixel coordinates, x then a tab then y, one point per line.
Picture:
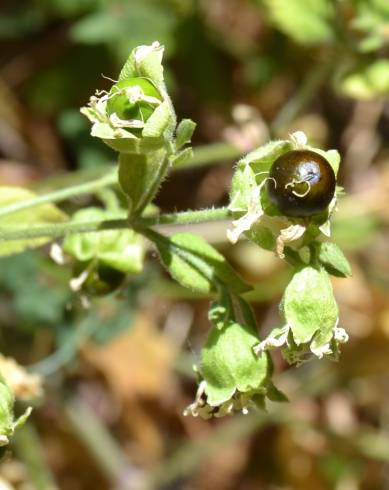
309	304
122	250
195	264
184	132
305	21
333	259
38	215
367	81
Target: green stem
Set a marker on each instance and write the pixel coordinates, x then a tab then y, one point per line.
185	217
58	230
95	436
61	195
203	155
208	154
29	449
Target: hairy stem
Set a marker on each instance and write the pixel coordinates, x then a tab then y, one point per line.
61	195
203	155
58	230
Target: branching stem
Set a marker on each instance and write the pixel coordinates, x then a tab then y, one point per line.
58	230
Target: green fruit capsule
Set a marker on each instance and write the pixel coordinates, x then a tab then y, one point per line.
301	183
133	99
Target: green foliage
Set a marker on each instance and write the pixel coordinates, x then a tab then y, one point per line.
149	20
367	81
371	19
43	214
27	300
305	21
195	264
122	250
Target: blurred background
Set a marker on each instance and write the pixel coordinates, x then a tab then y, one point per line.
118	376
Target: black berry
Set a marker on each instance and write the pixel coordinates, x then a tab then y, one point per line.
301	183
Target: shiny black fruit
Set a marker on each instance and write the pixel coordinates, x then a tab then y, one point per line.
301	183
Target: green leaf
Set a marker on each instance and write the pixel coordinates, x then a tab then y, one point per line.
367	81
333	259
195	264
122	250
305	21
309	304
184	132
38	215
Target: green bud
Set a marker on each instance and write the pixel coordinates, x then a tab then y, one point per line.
136	115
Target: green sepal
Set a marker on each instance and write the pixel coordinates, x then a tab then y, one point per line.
184	132
274	394
145	61
195	264
8	424
251	170
333	259
309	304
229	364
181	157
137	174
311	316
122	250
232	377
332	157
